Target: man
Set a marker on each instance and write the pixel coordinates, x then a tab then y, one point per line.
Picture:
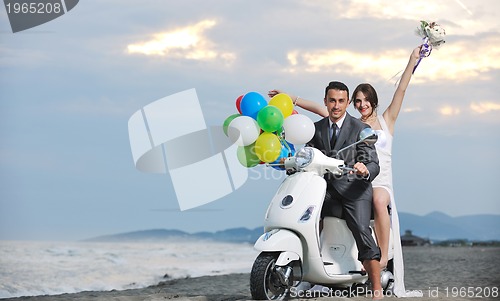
351	193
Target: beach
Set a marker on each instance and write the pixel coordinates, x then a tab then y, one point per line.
229	287
440	273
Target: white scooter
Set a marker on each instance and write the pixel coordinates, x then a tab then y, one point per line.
292	248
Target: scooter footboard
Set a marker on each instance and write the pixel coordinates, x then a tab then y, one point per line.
281	240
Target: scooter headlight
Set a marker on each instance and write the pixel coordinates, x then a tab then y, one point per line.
304	157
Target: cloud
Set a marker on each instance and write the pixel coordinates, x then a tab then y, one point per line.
183	43
458	62
390	9
449	111
347	62
473	108
484	107
411	110
463	61
462	18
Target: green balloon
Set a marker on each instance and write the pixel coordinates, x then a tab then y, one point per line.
246	155
228	121
270	119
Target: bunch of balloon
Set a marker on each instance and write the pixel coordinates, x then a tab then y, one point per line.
264	131
242	128
279	109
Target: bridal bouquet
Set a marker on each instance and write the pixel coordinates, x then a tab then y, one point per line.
433	32
432	35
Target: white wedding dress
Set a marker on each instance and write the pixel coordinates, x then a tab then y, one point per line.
384	180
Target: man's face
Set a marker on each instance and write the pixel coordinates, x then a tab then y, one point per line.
336	102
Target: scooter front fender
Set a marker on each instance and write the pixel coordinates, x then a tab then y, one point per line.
281	240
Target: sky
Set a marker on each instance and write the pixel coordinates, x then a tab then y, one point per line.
68	88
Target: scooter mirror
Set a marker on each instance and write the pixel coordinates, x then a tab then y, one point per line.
368	136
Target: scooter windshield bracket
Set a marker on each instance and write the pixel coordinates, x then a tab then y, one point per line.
307	214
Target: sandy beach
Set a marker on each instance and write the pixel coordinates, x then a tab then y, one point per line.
208	288
440	273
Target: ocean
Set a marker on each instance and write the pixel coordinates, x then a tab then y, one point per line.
50	268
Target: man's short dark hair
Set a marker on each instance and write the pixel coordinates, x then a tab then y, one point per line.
336	86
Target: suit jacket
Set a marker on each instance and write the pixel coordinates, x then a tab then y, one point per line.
351	186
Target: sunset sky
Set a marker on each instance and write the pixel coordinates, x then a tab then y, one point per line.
69	86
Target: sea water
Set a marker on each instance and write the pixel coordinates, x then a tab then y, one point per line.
49	268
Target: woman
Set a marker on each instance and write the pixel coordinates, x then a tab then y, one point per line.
366	102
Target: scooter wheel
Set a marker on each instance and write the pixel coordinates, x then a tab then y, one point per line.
265	283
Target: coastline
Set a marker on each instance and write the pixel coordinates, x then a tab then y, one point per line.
440	273
230	287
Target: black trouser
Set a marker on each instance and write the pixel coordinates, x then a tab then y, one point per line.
357	215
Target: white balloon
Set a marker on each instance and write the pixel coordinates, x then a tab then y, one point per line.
299	129
243	130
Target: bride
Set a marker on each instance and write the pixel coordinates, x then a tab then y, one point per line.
366	103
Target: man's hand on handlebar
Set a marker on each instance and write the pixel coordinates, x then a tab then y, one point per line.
361	169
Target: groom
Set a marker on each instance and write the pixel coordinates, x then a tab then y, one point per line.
350	195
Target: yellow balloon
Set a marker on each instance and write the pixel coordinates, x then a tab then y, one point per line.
283	102
268	147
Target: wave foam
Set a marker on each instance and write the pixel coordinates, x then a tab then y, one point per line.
50	268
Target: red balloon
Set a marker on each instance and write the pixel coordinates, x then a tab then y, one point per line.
238	103
295	112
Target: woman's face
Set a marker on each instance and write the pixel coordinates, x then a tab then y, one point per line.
361	104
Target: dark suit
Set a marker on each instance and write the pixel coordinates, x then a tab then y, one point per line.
350	196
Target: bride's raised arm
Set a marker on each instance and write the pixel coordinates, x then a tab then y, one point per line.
305	104
392	111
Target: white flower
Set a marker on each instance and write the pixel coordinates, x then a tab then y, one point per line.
436	34
433	31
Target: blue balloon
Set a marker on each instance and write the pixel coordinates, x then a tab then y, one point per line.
251	104
285	153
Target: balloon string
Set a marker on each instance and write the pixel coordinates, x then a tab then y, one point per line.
399	78
284	142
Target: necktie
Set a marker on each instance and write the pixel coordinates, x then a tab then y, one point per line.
334	135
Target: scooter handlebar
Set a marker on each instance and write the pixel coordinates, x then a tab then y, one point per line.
313	160
348	169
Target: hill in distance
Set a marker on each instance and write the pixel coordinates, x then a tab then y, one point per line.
435	226
235	235
439	226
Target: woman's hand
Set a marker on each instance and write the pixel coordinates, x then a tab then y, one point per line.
274	92
416	53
